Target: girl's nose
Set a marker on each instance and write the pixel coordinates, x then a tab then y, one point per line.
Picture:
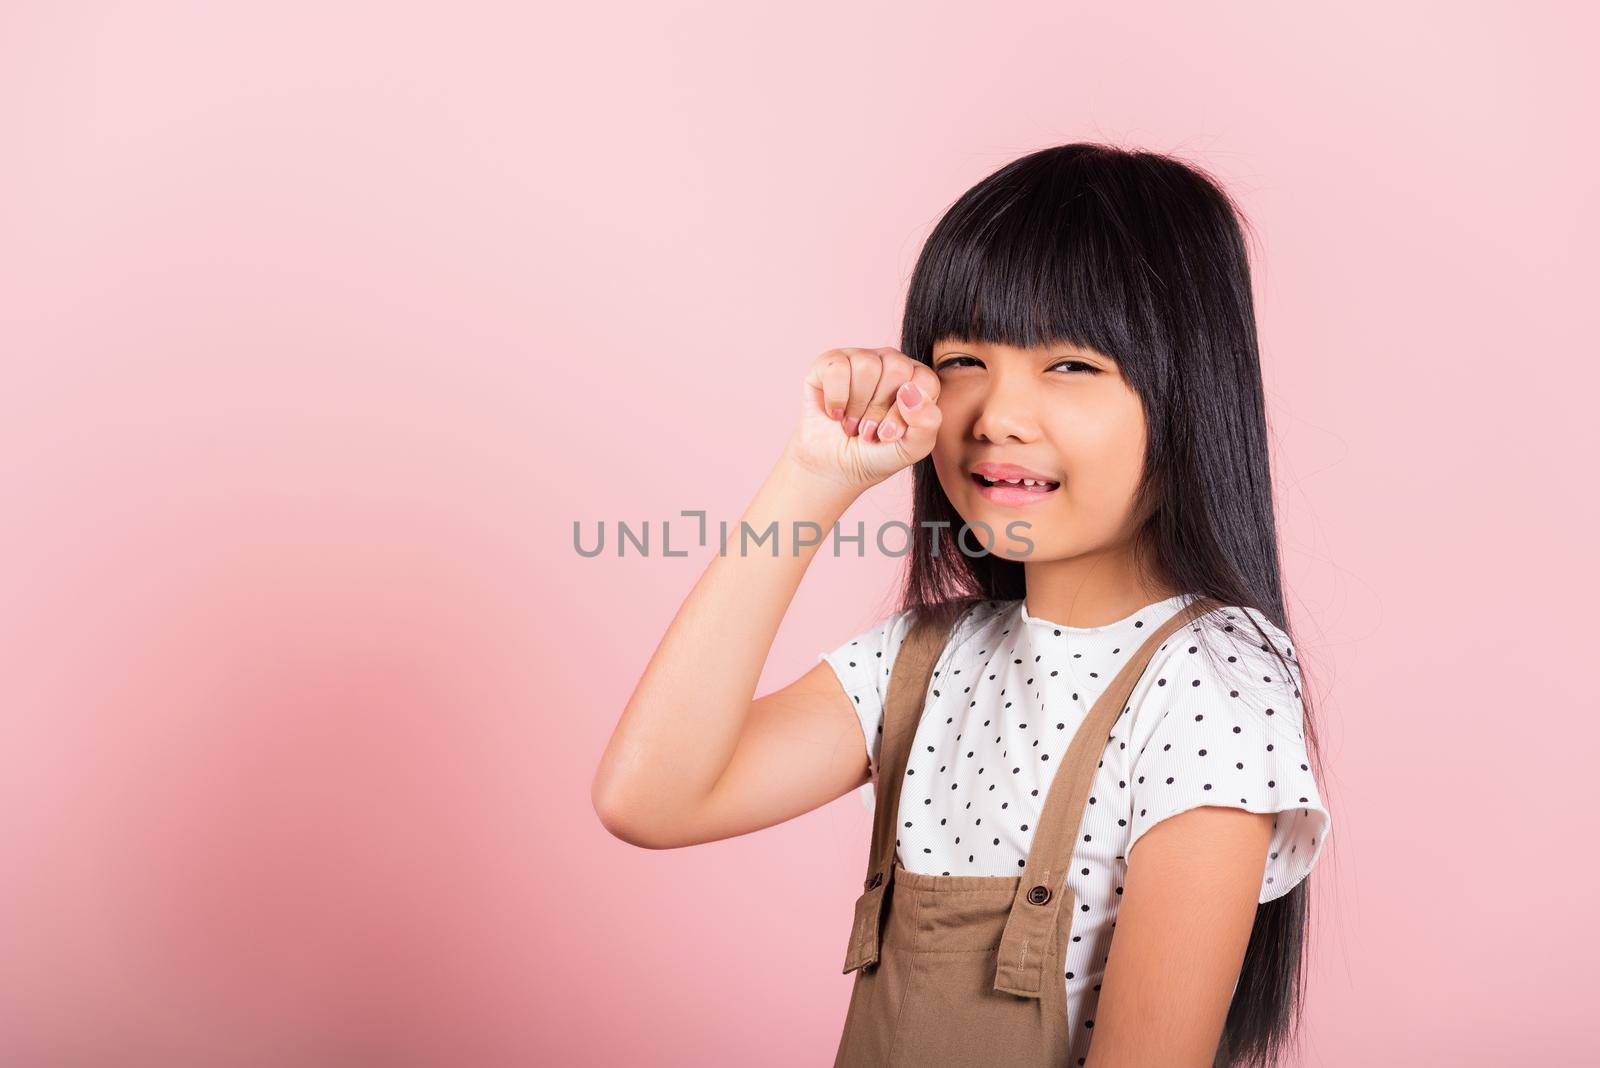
1006	412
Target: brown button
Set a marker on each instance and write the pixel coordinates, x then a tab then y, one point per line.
877	877
1039	895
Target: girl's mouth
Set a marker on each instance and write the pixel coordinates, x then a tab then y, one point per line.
1014	491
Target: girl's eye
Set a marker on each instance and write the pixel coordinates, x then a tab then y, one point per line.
956	361
1076	363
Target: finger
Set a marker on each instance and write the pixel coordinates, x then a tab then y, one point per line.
895	423
829	383
922	421
897	371
913	418
866	367
927	380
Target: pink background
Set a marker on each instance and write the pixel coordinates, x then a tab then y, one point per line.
323	323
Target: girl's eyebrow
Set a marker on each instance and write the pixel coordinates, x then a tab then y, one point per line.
1086	354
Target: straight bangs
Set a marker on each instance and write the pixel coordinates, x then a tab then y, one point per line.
1030	260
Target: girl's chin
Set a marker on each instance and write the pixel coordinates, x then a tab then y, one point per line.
1012	533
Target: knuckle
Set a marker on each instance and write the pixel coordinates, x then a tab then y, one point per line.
865	371
898	371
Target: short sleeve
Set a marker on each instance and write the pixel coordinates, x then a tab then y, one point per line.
863	665
1226	728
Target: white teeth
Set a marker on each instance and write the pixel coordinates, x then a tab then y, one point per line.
1016	481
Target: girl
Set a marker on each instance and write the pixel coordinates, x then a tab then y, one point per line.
1097	724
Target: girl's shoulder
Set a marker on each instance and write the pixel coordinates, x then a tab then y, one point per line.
865	663
1243	639
869	657
1229	659
1231	619
974	626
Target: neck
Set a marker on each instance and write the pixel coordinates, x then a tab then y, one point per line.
1090	590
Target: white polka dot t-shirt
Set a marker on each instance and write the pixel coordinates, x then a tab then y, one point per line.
1007	694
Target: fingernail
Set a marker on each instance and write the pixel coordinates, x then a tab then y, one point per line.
910	395
888	431
866	428
850	425
835	413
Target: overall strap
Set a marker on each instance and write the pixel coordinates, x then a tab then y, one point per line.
1032	925
902	712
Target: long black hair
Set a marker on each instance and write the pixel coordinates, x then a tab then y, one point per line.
1142	257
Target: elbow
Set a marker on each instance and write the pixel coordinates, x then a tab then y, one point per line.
635	834
638	814
613	817
623	823
619	826
612	812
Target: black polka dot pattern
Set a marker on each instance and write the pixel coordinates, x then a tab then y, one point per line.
1009	691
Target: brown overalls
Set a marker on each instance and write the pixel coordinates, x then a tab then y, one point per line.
969	970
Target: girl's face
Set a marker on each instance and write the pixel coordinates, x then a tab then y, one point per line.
1062	413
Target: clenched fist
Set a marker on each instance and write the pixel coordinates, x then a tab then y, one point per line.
865	414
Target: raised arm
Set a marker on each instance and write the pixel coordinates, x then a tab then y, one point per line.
694	757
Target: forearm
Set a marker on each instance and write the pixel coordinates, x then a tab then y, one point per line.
681	726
